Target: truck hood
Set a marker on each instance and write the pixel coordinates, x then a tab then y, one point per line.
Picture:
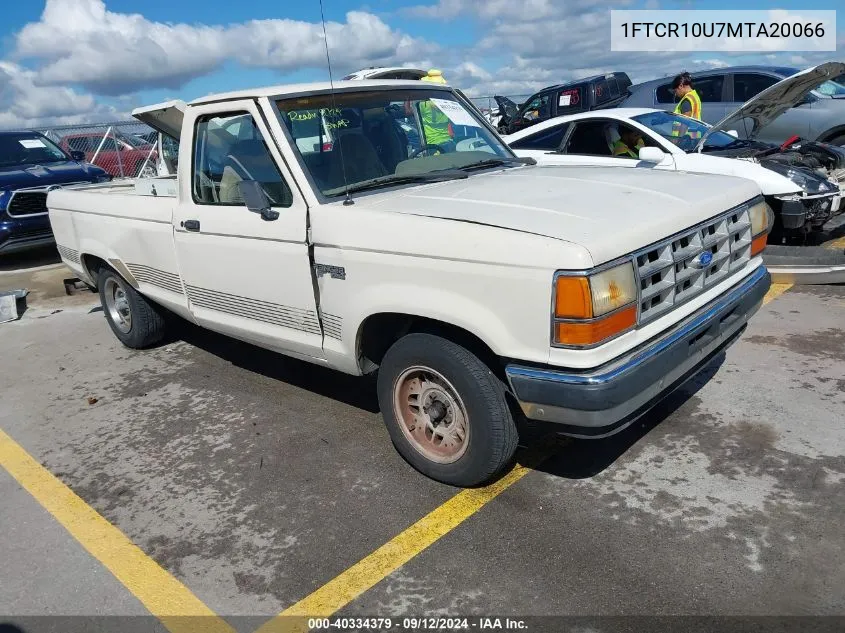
22	176
772	102
610	211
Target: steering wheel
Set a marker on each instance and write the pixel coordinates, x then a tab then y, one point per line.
427	147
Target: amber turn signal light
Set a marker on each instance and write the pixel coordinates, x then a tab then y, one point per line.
758	244
593	332
572	298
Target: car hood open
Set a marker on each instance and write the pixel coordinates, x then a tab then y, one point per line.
609	211
772	102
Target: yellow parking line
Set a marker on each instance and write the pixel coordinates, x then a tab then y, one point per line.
775	290
179	610
367	572
375	567
837	244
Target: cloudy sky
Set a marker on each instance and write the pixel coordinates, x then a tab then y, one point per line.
73	61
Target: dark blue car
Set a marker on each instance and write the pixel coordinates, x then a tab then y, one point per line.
30	165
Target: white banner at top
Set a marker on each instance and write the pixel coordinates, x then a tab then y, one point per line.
766	31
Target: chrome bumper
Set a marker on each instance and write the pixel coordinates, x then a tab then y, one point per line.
605	400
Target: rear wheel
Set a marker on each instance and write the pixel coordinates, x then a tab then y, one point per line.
445	410
135	321
838	140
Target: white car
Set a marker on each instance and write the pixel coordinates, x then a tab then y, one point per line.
802	182
469	280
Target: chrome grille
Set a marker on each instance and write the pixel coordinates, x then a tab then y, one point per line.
671	272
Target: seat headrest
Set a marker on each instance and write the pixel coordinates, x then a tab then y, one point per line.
611	134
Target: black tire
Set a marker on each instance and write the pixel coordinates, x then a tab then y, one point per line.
491	437
146	325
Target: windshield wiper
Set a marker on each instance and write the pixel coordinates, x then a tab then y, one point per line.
396	179
492	162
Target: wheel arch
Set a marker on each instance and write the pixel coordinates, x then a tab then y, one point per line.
93	264
832	133
378	331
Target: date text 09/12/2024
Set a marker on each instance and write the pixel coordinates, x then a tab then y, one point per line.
417	624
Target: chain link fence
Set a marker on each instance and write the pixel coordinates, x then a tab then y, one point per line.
125	149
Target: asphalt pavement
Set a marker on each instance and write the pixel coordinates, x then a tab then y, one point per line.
254	480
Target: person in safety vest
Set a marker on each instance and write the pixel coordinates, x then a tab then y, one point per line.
437	128
689	104
629	144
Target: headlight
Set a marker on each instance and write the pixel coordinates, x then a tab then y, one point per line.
589	309
762	217
810	182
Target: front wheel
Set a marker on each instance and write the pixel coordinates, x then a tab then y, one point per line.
135	321
445	410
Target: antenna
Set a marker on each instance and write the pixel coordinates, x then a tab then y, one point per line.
348	200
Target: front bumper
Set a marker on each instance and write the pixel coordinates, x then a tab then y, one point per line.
18	234
605	400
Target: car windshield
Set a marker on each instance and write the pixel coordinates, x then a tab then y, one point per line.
26	148
831	88
356	140
684	131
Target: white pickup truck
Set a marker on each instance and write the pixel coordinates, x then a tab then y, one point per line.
481	288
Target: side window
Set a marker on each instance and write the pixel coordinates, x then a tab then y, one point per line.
109	145
708	88
591	138
751	84
549	139
537	109
229	148
664	94
569	100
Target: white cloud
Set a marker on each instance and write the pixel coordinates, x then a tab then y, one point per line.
24	104
81	42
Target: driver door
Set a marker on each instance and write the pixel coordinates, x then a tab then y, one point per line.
245	276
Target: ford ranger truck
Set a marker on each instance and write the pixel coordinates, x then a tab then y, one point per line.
480	287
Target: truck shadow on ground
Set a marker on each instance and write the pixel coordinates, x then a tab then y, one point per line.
355	391
583	458
569	458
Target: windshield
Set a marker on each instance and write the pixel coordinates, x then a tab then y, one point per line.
26	148
684	131
359	137
831	88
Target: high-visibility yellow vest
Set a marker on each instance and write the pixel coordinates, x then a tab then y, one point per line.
621	149
695	103
435	124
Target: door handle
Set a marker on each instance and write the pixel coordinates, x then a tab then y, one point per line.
191	225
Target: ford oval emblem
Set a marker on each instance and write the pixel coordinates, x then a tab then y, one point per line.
705	258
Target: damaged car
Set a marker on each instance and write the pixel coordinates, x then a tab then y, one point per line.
802	180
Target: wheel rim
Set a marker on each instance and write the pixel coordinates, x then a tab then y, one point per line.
117	305
431	414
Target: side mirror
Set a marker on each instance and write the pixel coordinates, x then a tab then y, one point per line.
75	154
733	133
256	200
652	155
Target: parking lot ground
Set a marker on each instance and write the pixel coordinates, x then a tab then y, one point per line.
257	481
